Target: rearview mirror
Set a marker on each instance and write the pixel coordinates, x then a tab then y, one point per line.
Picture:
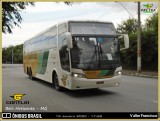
126	41
69	40
93	40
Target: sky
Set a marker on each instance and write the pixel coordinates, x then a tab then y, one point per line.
45	14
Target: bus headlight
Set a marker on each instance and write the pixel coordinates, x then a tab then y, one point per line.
117	73
78	75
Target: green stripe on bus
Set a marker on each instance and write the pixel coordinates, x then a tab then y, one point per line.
103	73
42	62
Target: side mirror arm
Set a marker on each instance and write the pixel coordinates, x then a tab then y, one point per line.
69	39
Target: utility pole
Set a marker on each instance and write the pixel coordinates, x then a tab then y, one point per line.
12	55
139	41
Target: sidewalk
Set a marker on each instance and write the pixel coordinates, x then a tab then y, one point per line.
142	74
11	65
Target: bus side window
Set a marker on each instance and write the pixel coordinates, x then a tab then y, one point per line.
52	41
64	54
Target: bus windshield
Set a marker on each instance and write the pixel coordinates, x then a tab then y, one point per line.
91	28
89	53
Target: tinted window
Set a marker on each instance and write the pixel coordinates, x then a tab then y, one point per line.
92	28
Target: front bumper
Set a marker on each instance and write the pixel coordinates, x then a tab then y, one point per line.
84	83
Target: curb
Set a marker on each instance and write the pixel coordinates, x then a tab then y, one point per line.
139	75
11	66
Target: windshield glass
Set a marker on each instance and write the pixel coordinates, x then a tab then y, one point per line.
95	53
91	28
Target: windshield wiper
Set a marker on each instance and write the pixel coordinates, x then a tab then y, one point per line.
101	51
96	51
99	61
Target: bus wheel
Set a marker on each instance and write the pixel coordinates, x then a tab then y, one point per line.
30	74
56	83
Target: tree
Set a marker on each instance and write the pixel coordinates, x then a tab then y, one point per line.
11	14
127	27
4	55
152	23
68	3
149	44
17	52
128	57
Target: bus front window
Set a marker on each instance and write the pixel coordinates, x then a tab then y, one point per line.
93	53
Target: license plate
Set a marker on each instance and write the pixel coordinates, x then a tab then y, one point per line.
101	82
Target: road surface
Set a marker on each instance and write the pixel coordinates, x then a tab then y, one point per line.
135	94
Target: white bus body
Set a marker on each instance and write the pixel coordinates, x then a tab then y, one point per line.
75	55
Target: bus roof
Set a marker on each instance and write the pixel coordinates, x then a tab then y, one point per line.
66	21
96	21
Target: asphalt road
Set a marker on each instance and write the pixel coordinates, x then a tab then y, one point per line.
135	94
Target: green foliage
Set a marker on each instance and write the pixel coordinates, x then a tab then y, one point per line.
11	14
127	27
129	56
68	3
152	23
149	44
71	3
17	54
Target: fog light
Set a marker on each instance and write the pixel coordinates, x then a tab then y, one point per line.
75	75
116	84
117	73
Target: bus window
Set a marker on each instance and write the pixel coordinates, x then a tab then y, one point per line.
64	54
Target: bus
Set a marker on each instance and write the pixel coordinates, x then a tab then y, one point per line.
76	54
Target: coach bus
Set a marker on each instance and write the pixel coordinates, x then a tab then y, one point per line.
76	55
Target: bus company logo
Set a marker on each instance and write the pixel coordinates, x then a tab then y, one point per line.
17	99
148	8
17	96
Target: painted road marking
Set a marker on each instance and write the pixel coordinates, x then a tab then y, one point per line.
155	101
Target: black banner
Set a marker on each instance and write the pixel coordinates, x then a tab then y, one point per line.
79	115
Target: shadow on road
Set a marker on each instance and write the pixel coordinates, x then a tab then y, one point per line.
78	93
88	92
49	85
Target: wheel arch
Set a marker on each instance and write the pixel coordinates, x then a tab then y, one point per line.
27	70
53	74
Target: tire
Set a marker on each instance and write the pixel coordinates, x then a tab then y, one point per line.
30	74
56	83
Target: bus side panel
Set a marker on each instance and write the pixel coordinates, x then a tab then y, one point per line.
53	64
50	64
25	60
42	62
30	61
34	63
